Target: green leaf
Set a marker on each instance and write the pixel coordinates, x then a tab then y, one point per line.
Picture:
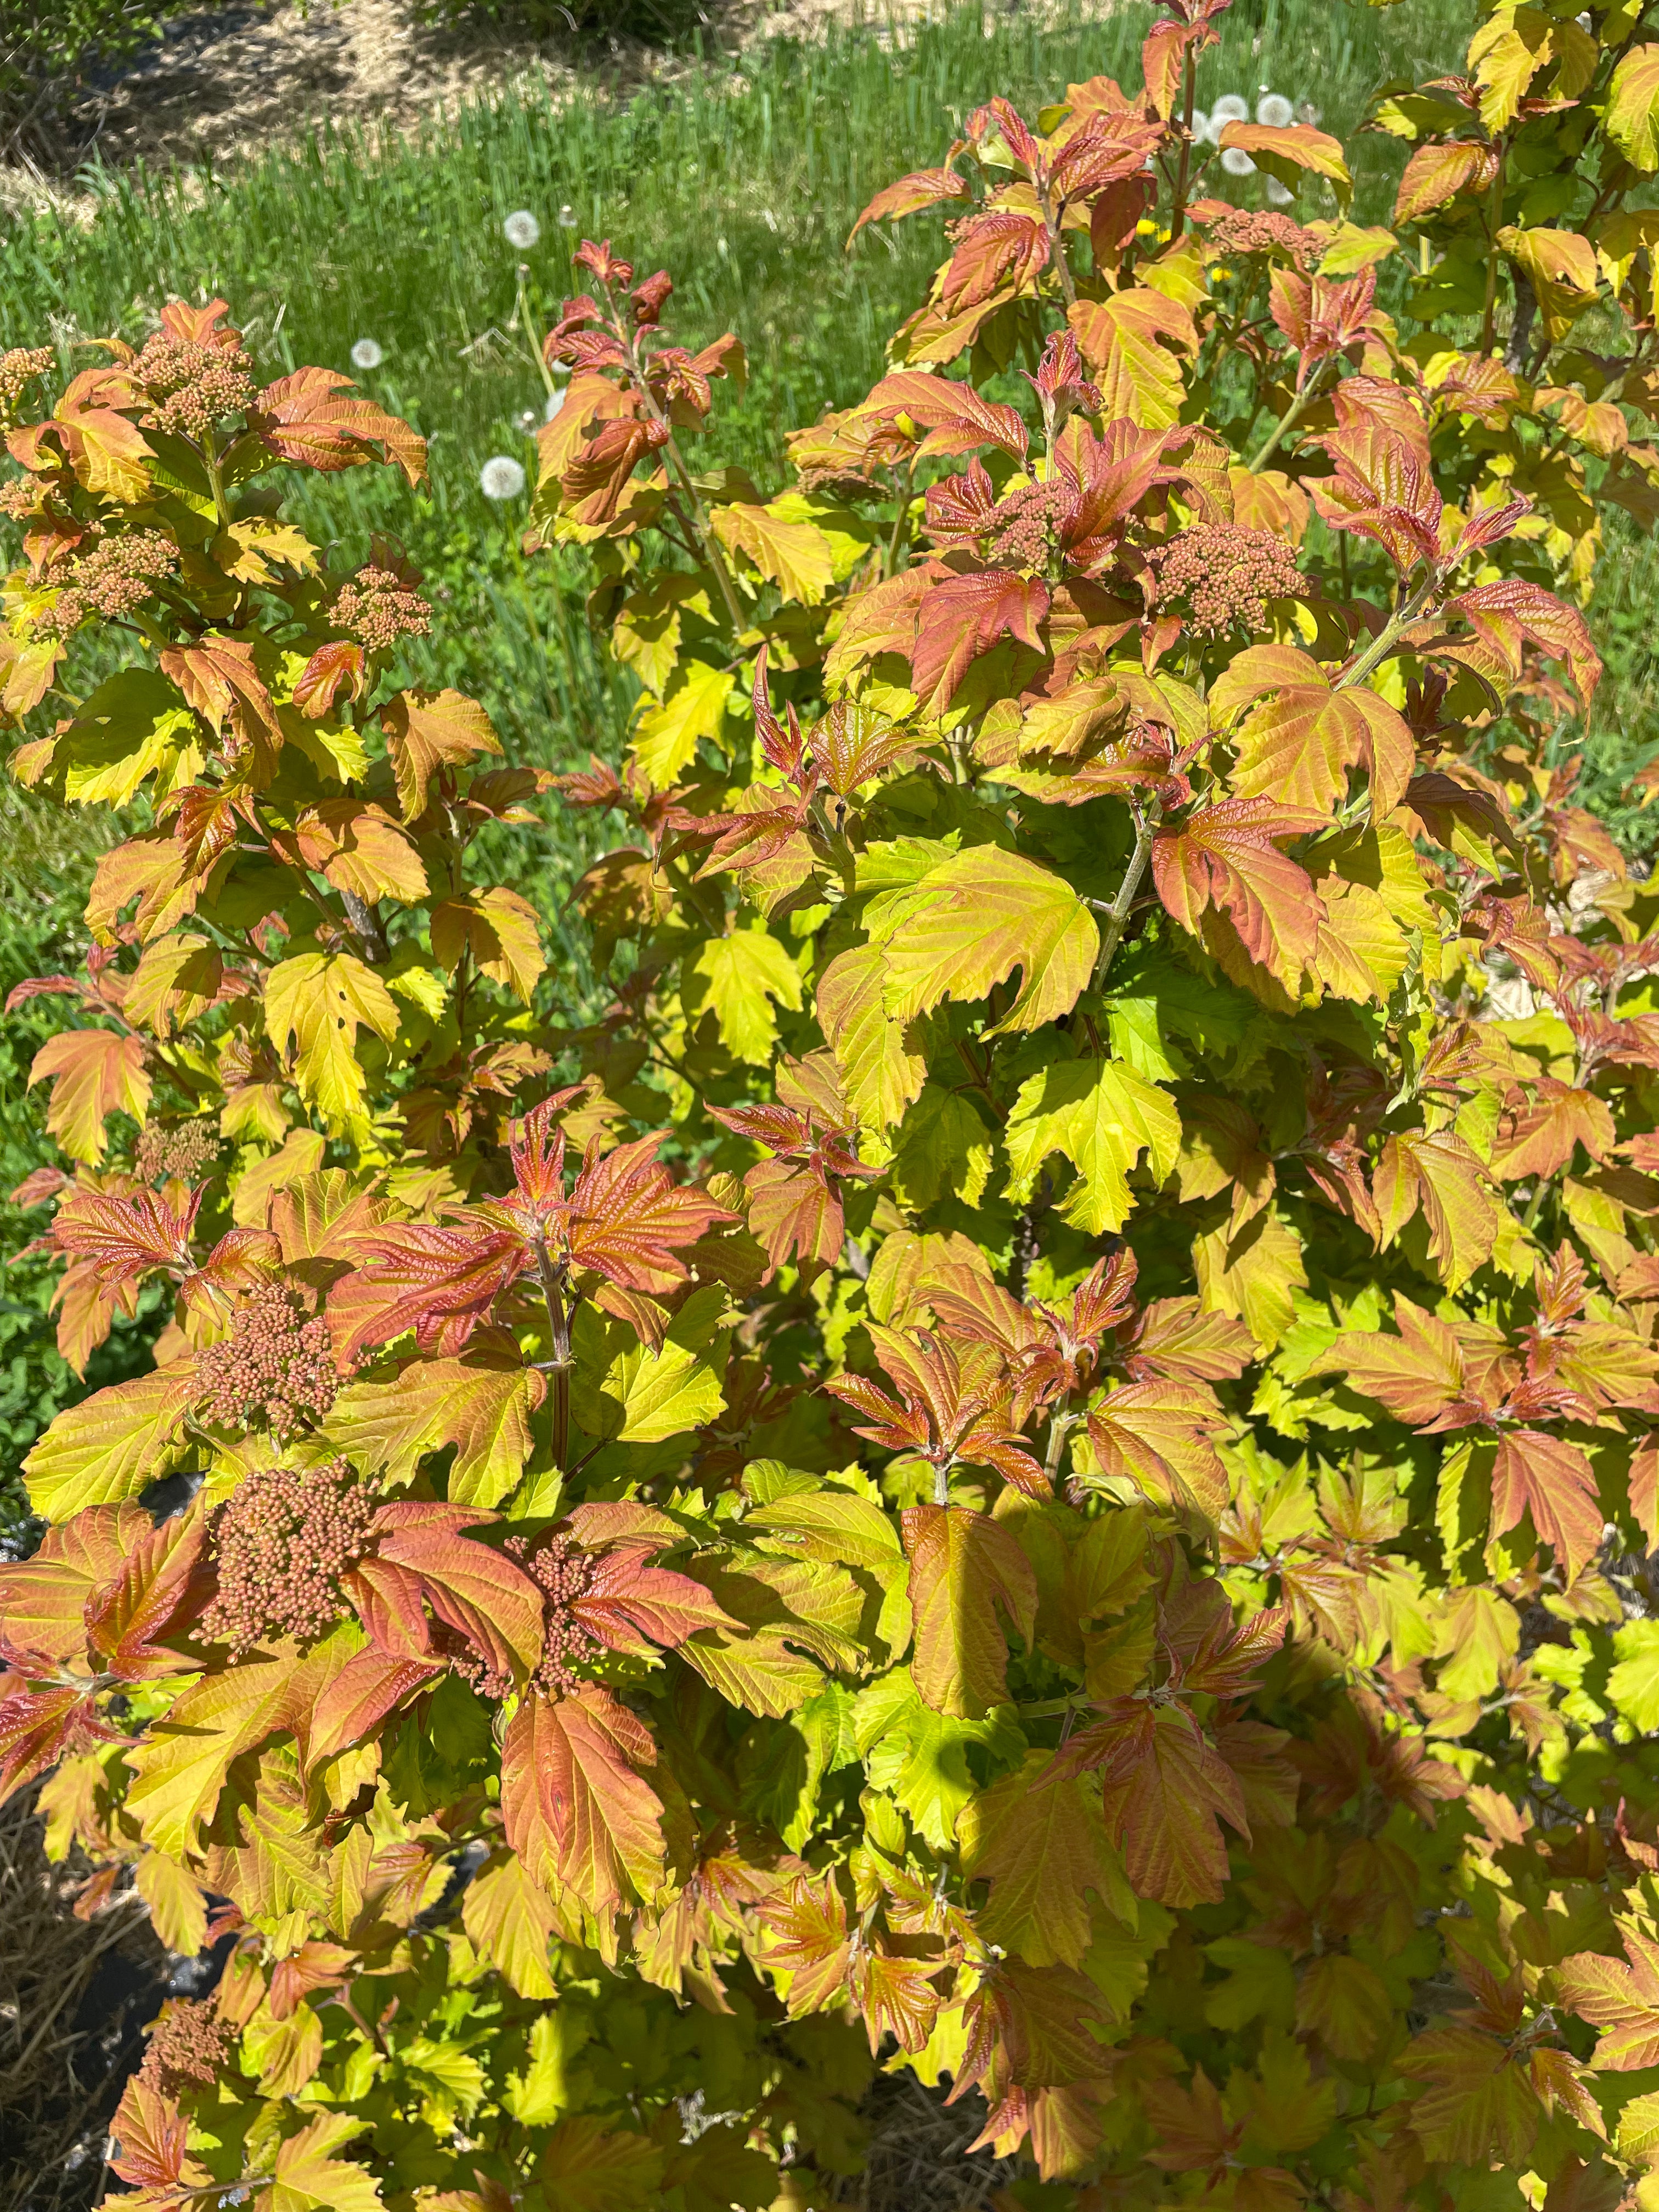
1633	1685
645	1397
1102	1115
133	726
970	922
320	1000
111	1445
740	977
666	734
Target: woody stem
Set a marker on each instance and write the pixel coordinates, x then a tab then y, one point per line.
697	515
1178	206
1494	220
1057	253
1384	643
1286	423
1060	1427
1117	914
558	1321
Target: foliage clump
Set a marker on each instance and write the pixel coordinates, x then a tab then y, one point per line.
1027	1455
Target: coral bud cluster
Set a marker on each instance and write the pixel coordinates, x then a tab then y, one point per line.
192	387
114	579
1022	525
1244	231
188	2048
276	1369
1226	574
377	609
282	1539
563	1572
180	1150
18	367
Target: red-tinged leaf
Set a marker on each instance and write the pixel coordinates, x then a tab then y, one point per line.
97	1073
574	1801
43	1600
966	1570
1000	250
1553	1479
150	2138
1165	1790
1415	1375
1228	1660
923	188
1511	613
428	733
794	1213
810	1942
36	1728
370	1686
631	1605
626	1216
121	1240
1160	1436
1622	2000
158	1588
1437	174
1178	1341
1439	1173
441	1283
333	668
220	681
1542	1137
477	1591
1227	856
314	417
955	419
1297	743
964	616
1293	147
896	1996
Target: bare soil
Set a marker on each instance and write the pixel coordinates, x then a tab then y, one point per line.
223	85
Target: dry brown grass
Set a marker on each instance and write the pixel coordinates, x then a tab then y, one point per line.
74	1995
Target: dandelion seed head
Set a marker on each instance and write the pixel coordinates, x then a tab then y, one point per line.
367	354
522	229
1201	127
1274	111
1231	107
1236	162
555	401
501	477
1278	195
566	217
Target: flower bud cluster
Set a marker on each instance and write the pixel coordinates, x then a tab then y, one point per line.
18	367
192	387
274	1369
563	1572
1244	231
282	1539
1226	574
189	2047
1022	525
377	610
21	498
115	578
184	1149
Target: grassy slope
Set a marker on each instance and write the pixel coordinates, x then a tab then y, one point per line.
745	184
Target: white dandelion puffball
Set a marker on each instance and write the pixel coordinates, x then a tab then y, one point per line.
555	401
1203	129
1274	110
1278	195
367	354
1231	107
522	229
501	477
566	217
1236	162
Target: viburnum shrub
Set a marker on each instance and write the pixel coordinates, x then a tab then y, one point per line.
1028	1453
